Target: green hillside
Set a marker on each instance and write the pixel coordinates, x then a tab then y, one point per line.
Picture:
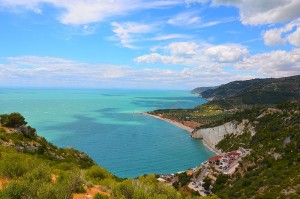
234	97
199	90
257	91
272	169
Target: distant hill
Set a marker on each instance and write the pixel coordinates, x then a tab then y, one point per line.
272	91
235	96
199	90
256	91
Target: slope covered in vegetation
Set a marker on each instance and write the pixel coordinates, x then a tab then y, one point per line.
272	169
234	97
257	91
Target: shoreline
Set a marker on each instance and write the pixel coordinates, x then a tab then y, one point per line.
186	128
178	124
211	148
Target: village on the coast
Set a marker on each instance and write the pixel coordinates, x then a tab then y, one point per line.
220	164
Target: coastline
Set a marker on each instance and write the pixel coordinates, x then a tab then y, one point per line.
186	128
211	148
178	124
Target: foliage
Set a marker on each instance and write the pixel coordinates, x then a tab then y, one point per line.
257	91
144	187
272	169
230	99
13	120
207	183
100	196
184	179
97	173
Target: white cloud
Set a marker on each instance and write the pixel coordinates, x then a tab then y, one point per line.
229	53
81	12
53	71
169	37
38	11
279	36
294	38
276	63
127	32
257	12
193	54
185	19
195	1
273	37
216	22
183	48
158	58
59	67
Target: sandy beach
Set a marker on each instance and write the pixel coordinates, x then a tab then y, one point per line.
178	124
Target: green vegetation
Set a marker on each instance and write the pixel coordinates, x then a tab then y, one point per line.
234	97
272	107
257	91
272	169
13	120
203	115
199	90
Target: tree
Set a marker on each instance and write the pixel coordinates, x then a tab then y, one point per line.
207	183
13	120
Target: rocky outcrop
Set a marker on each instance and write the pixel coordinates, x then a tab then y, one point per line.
214	135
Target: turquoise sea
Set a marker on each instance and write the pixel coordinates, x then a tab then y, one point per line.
105	125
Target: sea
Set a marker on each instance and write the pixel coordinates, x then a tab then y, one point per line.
109	127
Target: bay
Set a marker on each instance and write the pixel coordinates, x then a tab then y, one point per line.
107	125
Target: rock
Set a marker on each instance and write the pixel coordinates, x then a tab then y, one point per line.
214	135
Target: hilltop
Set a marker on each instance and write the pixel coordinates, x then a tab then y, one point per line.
199	90
256	91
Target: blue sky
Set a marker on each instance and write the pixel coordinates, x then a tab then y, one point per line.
157	44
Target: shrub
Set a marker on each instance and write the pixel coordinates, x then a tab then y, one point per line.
13	120
96	173
13	165
99	196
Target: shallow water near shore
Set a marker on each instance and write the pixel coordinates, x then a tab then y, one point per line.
108	126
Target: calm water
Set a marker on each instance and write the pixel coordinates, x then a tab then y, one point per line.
102	123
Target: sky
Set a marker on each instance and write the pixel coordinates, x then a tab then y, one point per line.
146	44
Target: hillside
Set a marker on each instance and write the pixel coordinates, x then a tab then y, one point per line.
257	91
199	90
273	92
269	109
231	89
272	169
233	97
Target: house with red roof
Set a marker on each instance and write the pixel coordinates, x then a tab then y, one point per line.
214	159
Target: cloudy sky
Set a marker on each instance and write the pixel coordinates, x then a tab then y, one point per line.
153	44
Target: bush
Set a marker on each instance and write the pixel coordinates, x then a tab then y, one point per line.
96	173
13	120
13	165
99	196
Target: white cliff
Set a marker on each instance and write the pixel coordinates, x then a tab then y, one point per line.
212	136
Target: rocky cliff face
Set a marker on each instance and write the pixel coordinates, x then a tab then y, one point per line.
214	135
